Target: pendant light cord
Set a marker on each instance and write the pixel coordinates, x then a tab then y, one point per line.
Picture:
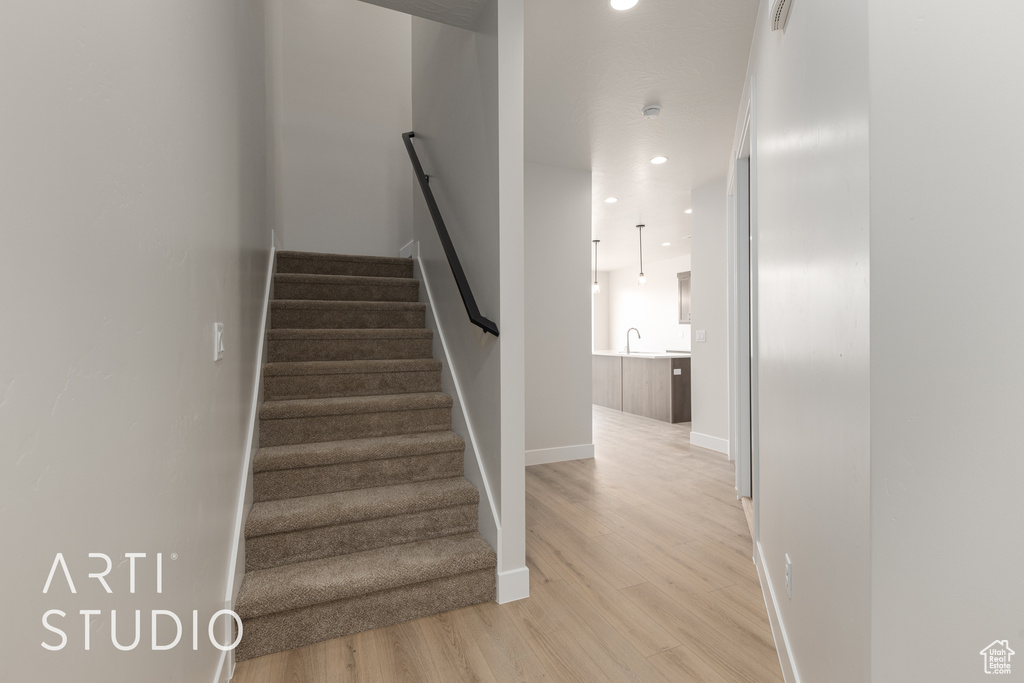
641	228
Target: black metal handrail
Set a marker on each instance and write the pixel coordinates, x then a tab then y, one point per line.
446	241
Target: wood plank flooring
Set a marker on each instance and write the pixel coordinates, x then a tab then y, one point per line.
640	570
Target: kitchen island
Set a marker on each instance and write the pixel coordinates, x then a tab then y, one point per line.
654	385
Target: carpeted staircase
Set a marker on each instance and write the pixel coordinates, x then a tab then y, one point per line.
361	515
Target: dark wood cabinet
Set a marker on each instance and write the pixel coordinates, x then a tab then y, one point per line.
681	390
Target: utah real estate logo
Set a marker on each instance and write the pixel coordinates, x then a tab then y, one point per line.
997	657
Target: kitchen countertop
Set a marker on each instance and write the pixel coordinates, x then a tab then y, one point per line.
652	355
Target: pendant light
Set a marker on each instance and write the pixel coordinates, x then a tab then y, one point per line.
597	287
642	280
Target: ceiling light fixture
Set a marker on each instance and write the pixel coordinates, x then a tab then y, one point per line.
666	244
642	280
624	4
659	160
610	200
688	211
597	287
651	111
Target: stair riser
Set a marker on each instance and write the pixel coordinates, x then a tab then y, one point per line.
286	264
263	552
284	387
294	628
346	318
312	481
296	350
345	292
282	432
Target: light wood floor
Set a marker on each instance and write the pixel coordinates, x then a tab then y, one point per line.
640	570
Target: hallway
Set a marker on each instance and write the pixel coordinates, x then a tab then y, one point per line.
640	571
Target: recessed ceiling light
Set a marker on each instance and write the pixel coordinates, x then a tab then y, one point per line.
666	244
659	160
624	4
610	200
688	211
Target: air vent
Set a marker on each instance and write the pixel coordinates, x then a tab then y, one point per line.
780	13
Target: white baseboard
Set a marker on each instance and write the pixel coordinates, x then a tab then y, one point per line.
225	668
542	456
786	661
236	566
513	585
712	443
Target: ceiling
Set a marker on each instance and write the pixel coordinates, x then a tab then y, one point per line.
590	69
461	13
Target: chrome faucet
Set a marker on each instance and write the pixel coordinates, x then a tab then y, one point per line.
632	329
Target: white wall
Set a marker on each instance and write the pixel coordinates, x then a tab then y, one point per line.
342	92
946	433
132	190
461	81
558	321
709	369
810	170
900	520
653	309
600	303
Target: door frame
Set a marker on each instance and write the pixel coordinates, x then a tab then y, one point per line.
743	311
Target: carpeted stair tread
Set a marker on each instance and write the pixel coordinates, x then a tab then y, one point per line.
310	512
368	280
320	305
343	367
348	476
304	545
348	334
323	379
324	314
341	264
345	287
354	258
274	458
303	584
307	344
352	405
285	630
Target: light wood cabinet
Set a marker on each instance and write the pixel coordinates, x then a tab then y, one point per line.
607	389
643	386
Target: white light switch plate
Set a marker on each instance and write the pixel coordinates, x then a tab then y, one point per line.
702	335
218	341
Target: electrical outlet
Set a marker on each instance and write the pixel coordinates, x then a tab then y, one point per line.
218	341
789	576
